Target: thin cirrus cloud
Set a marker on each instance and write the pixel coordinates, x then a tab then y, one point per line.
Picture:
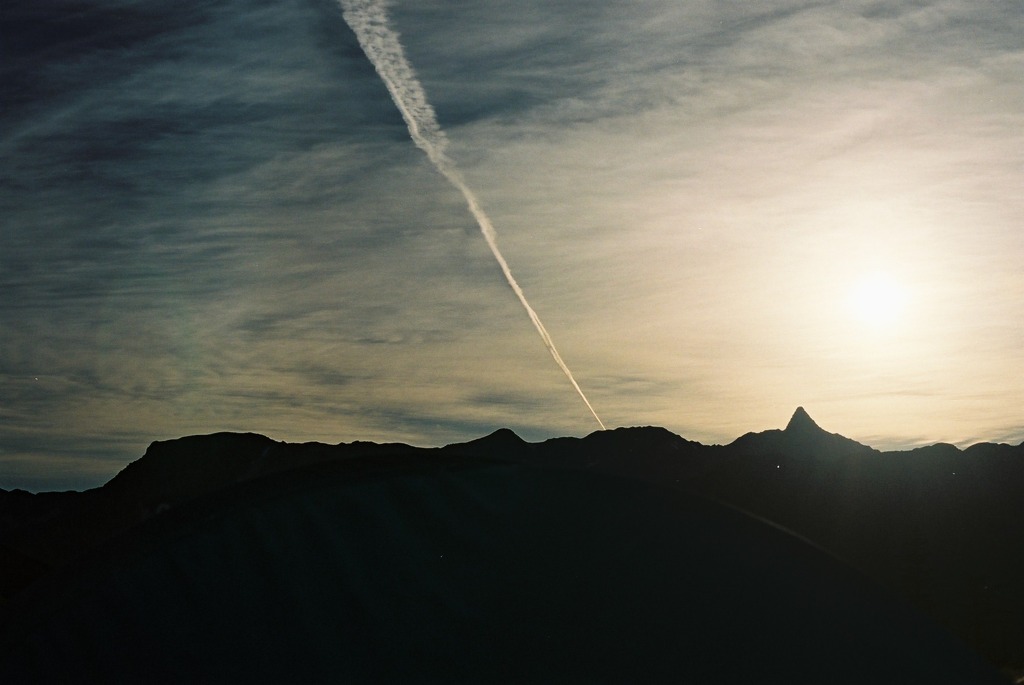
213	220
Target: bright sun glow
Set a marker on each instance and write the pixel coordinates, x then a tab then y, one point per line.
878	300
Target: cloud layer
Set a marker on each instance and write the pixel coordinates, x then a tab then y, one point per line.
213	220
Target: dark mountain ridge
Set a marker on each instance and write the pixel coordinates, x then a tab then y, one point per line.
940	526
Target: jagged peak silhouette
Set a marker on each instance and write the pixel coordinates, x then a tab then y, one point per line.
801	422
801	436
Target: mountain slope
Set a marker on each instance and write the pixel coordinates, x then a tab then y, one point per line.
440	567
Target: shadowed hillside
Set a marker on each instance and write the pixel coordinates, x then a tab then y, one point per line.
938	526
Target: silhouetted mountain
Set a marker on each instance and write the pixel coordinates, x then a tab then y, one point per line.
500	443
801	436
801	422
941	527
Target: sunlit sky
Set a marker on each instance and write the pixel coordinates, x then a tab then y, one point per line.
213	218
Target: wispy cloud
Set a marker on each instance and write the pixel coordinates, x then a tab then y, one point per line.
213	218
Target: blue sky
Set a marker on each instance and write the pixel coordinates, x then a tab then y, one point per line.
214	219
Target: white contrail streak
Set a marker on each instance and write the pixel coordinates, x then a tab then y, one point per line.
369	20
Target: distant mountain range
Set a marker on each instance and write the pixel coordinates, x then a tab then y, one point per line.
940	527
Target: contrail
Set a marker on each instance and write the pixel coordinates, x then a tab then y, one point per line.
369	20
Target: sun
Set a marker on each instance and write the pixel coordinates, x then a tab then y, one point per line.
878	300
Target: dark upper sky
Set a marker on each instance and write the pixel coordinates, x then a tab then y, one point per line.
213	219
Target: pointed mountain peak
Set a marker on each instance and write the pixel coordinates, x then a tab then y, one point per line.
801	422
802	436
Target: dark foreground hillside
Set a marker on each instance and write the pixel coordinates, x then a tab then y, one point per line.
237	558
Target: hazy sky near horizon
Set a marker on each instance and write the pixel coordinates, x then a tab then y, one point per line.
212	218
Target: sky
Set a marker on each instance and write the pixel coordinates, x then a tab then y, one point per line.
214	218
